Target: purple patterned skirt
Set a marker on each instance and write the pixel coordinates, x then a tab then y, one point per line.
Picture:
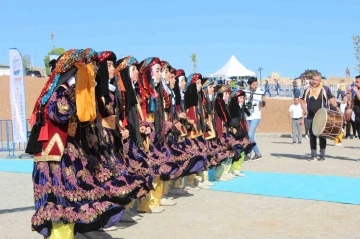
67	192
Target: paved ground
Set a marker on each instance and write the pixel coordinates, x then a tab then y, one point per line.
210	214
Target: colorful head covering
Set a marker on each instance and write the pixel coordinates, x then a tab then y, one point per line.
144	68
179	72
123	77
106	56
238	93
224	88
124	63
164	65
207	83
191	92
193	78
64	63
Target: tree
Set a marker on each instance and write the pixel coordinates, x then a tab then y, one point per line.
194	61
26	59
356	42
55	51
309	73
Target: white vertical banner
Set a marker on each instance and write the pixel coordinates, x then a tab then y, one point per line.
17	97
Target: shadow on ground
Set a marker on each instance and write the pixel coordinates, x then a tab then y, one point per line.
351	147
307	156
282	142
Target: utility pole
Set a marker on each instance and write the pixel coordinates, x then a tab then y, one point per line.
260	69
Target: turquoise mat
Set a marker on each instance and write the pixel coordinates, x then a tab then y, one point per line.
300	186
16	165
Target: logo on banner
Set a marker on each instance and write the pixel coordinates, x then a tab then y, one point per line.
17	64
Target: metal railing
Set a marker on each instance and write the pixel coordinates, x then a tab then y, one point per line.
288	91
7	143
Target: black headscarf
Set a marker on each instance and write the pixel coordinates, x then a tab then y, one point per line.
102	76
191	96
221	109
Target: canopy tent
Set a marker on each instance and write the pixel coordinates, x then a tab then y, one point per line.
233	68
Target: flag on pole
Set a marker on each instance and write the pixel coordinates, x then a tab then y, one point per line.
17	97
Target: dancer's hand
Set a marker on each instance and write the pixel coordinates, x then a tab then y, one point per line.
182	116
125	134
190	121
208	123
178	126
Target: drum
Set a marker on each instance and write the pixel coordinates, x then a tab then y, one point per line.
327	124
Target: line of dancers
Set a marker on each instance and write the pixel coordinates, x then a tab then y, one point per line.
110	132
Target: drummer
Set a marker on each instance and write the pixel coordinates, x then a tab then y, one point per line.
317	96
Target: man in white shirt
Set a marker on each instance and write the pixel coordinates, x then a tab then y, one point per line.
296	119
254	102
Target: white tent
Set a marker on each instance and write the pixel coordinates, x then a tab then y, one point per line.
233	68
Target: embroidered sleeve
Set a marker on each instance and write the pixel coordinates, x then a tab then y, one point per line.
60	105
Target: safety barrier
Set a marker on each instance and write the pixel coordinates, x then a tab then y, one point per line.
288	91
7	143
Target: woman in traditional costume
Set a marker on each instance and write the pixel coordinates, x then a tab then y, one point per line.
177	188
198	128
223	122
187	157
222	151
68	198
122	182
161	160
131	124
239	130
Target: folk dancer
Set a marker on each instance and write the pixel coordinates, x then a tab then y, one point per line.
152	110
68	197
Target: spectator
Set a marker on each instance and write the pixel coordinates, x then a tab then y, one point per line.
356	103
277	87
341	89
267	88
347	108
296	119
255	102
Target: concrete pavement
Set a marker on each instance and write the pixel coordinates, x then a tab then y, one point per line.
210	214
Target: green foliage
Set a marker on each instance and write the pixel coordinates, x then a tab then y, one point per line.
356	42
55	51
194	60
309	73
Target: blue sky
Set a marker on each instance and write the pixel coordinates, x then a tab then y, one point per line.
284	36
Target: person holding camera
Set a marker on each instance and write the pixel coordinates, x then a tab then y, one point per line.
254	102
